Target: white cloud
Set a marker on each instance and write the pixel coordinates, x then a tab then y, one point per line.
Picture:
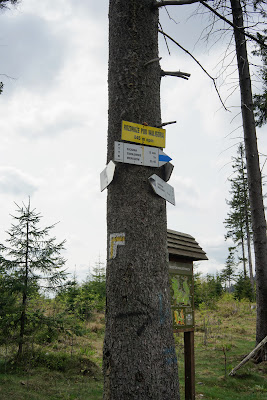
53	124
14	181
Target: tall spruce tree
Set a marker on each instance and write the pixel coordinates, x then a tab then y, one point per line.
238	221
251	10
31	260
228	271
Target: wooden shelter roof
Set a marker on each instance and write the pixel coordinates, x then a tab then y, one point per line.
185	246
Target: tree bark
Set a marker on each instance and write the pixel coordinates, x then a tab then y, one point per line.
139	360
254	175
243	253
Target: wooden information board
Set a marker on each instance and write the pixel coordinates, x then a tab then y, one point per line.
182	296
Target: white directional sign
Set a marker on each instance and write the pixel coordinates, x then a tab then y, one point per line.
106	175
162	188
139	155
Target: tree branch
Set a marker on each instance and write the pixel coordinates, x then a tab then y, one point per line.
204	3
173	3
248	357
179	74
166	123
240	29
203	69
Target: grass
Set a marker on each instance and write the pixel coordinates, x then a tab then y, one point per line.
223	337
70	369
43	384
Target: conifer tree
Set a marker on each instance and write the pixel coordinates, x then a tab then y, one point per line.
227	273
238	221
30	261
244	16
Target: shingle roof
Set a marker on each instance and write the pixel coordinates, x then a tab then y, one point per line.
184	245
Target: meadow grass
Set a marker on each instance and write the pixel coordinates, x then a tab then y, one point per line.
70	369
223	337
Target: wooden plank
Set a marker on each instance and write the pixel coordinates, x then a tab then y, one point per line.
175	233
192	255
183	330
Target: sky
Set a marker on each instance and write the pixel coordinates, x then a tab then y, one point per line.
53	125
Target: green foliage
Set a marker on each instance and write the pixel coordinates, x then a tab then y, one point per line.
238	221
207	290
260	100
239	214
83	299
29	263
8	311
227	273
243	289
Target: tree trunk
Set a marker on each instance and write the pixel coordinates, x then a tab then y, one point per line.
247	221
243	253
139	360
254	176
24	295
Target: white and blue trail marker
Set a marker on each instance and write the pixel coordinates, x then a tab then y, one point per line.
139	155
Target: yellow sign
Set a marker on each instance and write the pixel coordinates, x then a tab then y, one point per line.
143	134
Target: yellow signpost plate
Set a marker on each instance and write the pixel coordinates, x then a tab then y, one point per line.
146	135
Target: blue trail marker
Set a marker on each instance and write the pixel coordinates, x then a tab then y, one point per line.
164	158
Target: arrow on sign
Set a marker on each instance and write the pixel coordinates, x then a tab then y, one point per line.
163	158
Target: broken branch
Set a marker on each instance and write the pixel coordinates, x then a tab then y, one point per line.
248	357
179	74
173	3
166	123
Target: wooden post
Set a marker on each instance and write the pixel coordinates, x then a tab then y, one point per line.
189	365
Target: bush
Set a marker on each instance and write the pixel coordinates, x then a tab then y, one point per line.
243	289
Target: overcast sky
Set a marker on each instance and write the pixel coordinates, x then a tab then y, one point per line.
53	125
